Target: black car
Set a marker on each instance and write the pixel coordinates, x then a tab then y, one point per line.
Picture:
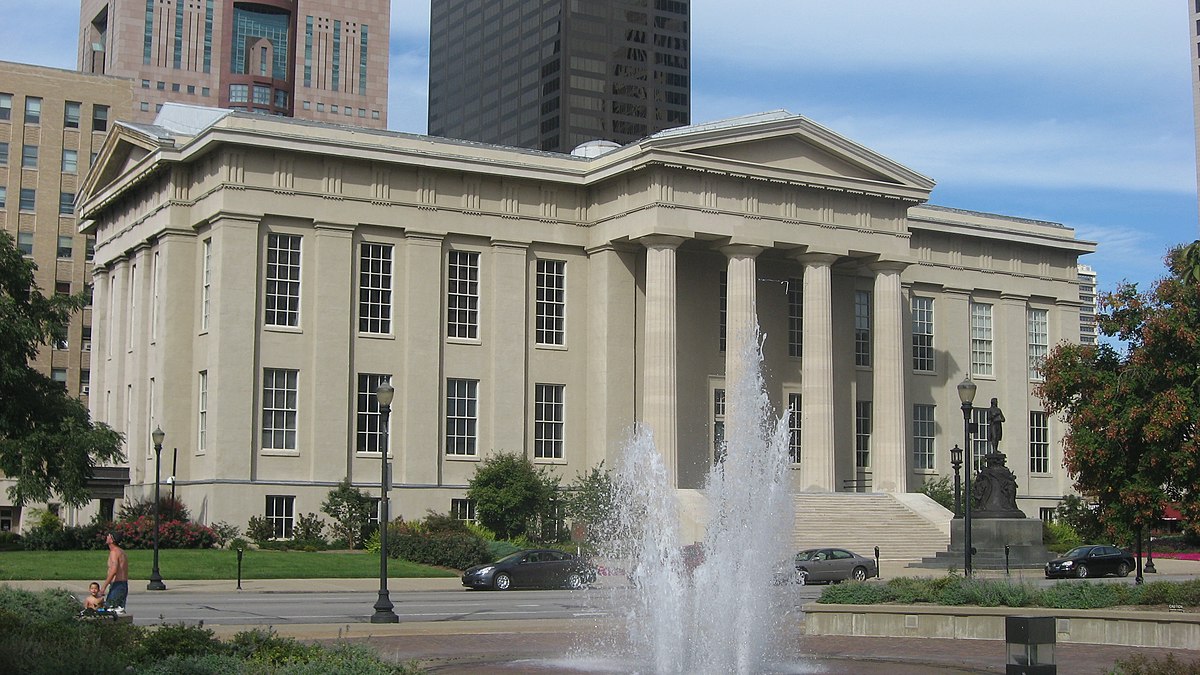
537	568
1091	561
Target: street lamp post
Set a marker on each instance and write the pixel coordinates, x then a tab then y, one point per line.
956	455
156	582
966	394
383	606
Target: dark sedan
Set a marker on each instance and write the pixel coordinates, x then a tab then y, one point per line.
539	568
833	565
1091	561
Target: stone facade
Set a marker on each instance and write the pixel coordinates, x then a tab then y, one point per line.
255	276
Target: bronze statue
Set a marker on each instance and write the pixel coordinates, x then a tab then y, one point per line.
995	428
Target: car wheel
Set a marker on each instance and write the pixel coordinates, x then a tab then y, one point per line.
802	577
502	582
575	581
1122	569
860	573
1081	572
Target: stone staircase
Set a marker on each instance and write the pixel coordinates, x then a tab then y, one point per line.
904	526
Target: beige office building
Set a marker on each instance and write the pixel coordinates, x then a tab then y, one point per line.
52	124
257	278
312	59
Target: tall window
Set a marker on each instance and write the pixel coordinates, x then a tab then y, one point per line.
25	243
66	203
283	280
70	161
375	288
719	424
369	432
71	115
794	419
66	246
462	509
3	153
5	107
1039	443
862	434
795	297
29	156
462	301
202	440
723	300
28	200
3	196
281	511
862	328
551	302
279	408
981	339
99	118
979	442
206	288
923	434
462	417
1038	327
33	110
548	421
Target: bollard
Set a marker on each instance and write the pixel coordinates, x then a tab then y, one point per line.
239	569
1030	641
1006	560
878	569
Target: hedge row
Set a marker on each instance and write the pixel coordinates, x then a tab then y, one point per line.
956	590
458	550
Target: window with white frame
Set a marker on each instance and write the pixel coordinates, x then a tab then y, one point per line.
462	295
1039	442
551	302
281	514
719	424
549	419
206	288
862	328
922	334
282	300
369	429
9	518
375	288
981	339
979	442
862	434
202	414
463	509
1047	514
723	300
279	408
1038	327
795	298
794	420
462	417
923	434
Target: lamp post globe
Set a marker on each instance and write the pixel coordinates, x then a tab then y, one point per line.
156	581
383	606
966	394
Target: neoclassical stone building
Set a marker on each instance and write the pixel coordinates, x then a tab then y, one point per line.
256	278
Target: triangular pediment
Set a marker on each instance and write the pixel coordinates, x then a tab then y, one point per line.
124	149
793	153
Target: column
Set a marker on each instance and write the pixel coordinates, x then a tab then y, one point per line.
332	380
417	420
890	461
660	388
817	469
741	316
509	343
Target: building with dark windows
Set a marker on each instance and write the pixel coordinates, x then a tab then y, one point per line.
553	74
314	59
258	278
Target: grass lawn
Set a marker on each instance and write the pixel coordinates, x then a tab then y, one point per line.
209	564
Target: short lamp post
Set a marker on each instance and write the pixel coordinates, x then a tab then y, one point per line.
966	394
156	582
1150	554
383	606
956	460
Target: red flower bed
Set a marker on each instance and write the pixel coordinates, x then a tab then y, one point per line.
171	534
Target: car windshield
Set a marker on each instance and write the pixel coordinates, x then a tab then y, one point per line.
511	557
1078	551
806	555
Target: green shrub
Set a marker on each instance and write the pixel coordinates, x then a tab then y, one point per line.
70	646
177	640
265	646
199	664
139	533
955	591
48	606
855	594
939	490
458	550
259	529
910	590
499	549
351	510
1080	595
169	508
309	529
1140	664
343	658
225	533
442	522
1059	537
10	541
1158	593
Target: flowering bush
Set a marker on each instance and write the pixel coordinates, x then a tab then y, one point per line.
139	533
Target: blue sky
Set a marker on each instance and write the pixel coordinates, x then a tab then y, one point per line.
1074	111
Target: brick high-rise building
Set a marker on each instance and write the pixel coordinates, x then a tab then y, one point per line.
321	60
551	74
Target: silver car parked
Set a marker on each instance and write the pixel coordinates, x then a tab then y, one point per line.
833	565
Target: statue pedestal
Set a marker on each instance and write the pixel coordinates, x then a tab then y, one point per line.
989	536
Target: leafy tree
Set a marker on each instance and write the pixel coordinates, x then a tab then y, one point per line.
939	490
511	495
351	510
48	443
1132	445
590	497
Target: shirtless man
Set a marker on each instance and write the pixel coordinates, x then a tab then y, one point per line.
117	581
